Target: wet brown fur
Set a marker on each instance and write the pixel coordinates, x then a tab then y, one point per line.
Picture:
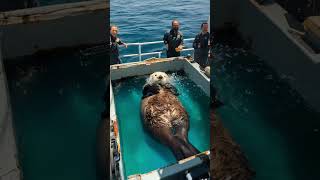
164	116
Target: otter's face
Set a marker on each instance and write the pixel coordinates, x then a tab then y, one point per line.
158	78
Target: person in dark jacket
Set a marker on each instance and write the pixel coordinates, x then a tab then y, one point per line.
173	40
114	45
201	46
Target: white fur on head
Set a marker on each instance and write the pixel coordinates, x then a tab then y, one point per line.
158	78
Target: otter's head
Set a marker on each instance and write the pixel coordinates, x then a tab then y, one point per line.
158	78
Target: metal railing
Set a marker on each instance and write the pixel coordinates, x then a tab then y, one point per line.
140	54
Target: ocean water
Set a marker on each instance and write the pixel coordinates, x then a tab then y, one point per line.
142	153
57	102
276	129
148	20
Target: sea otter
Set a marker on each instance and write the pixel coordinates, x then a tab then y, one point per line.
164	116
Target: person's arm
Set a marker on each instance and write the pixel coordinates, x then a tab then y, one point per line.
121	43
181	40
195	43
165	39
118	41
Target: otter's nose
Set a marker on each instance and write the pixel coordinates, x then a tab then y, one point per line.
160	77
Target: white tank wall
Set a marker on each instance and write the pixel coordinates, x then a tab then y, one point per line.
267	27
8	151
27	31
165	64
194	73
143	68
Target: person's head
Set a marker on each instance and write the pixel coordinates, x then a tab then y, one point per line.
113	30
175	24
204	27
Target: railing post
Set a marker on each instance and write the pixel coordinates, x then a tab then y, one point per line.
159	54
139	52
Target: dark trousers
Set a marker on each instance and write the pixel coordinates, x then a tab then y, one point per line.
201	57
172	53
114	59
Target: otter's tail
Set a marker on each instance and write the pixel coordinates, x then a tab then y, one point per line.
184	149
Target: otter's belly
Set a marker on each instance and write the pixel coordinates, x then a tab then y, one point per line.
163	110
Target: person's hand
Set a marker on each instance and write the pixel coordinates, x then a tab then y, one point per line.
125	45
179	48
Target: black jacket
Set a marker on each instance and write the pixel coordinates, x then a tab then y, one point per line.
201	41
114	46
173	39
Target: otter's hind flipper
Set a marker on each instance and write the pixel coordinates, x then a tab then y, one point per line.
193	149
184	149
